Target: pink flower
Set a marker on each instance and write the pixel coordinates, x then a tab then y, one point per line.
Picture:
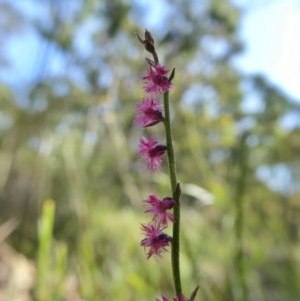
159	208
155	239
149	113
156	81
152	152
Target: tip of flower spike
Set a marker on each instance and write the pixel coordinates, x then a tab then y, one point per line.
148	37
149	42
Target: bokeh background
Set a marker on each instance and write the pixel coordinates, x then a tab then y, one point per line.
71	185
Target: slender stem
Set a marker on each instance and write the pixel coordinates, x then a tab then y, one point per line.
176	195
239	258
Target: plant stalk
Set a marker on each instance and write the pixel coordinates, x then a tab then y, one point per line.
176	195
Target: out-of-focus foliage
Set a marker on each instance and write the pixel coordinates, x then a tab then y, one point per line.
66	133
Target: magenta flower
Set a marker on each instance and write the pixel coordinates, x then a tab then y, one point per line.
155	239
158	209
152	152
149	113
156	81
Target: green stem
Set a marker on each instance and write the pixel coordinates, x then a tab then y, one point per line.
176	196
239	224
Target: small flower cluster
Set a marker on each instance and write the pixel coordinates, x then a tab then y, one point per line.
155	239
150	113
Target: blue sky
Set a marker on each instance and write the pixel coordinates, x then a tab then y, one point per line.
270	30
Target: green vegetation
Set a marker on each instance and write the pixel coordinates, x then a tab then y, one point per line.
70	175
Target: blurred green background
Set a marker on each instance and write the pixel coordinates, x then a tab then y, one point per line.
71	185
